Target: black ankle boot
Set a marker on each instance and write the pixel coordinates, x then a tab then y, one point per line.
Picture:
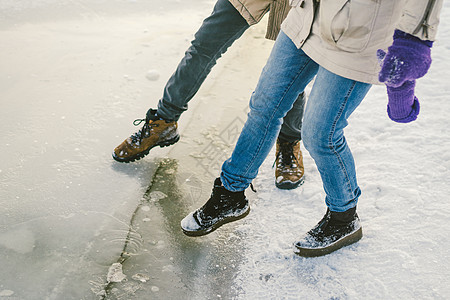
334	231
222	207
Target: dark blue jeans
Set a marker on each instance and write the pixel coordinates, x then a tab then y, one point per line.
217	33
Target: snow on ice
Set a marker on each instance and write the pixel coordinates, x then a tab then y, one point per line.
152	75
115	273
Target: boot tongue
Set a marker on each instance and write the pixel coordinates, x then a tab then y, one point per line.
217	182
151	115
287	152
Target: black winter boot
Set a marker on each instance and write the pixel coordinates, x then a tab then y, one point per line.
334	231
222	207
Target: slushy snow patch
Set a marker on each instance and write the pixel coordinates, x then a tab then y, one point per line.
141	277
152	75
6	293
157	195
115	273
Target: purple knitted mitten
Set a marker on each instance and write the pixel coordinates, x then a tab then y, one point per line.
403	106
406	60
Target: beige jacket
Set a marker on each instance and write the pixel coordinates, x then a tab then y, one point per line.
344	35
254	10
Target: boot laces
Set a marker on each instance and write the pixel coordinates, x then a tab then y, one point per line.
143	132
286	152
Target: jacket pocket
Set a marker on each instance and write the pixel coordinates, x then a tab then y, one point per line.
348	24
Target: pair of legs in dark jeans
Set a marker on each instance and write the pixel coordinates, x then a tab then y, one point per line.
218	32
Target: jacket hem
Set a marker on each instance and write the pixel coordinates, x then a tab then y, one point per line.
344	71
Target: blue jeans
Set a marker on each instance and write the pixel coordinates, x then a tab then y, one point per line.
332	100
217	33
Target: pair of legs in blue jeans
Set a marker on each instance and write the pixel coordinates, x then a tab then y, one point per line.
332	100
217	33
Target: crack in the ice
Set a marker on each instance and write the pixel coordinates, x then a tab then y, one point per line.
125	254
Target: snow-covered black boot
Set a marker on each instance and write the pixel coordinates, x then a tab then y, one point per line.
334	231
223	207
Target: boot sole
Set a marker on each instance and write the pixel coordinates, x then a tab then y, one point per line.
145	152
289	185
314	252
215	226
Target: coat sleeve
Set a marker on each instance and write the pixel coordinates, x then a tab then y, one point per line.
421	18
252	10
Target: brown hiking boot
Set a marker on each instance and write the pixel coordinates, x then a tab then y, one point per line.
155	132
289	172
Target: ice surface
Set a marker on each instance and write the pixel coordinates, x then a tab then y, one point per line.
20	240
65	203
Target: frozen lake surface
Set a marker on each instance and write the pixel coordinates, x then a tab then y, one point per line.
75	224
